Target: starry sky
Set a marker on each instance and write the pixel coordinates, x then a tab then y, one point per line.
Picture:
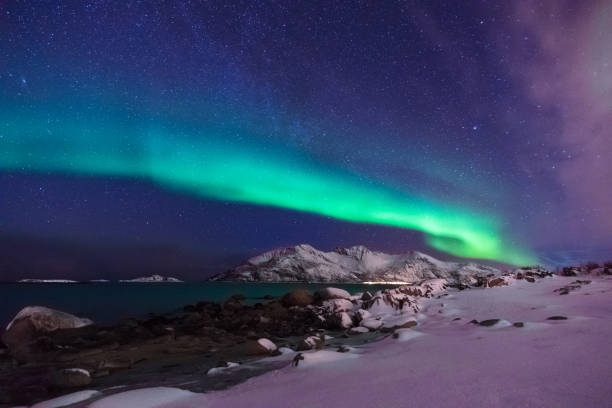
222	129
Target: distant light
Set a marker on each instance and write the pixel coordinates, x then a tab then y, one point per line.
475	127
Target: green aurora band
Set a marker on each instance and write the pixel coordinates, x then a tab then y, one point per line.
212	161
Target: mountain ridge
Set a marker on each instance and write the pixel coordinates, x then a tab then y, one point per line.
356	264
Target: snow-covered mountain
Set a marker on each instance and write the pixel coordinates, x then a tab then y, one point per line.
152	278
355	264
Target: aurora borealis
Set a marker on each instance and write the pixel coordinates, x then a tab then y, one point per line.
377	117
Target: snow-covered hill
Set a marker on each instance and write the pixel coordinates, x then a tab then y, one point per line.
355	264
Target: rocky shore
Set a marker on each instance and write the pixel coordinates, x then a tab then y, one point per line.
47	353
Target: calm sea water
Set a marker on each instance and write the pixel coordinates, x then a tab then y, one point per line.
107	302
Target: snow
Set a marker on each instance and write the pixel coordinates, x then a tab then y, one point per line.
453	363
372	323
324	357
338	305
46	319
359	329
78	370
407	334
158	397
68	399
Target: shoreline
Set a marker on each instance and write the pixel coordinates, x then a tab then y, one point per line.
186	371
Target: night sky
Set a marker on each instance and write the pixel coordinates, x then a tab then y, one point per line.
220	129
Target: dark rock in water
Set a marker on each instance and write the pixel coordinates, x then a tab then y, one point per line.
557	318
268	297
311	342
489	322
343	349
298	297
474	321
456	318
529	279
518	324
71	377
519	276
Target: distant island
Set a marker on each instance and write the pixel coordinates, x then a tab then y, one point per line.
47	281
151	279
143	279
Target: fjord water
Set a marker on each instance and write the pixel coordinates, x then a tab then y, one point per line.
108	302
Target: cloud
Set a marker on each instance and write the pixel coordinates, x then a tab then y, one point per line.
563	59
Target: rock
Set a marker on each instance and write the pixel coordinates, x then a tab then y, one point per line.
340	320
343	349
474	321
518	324
46	320
262	346
529	279
25	333
496	282
311	342
366	296
71	377
338	305
557	318
406	325
297	297
489	322
332	293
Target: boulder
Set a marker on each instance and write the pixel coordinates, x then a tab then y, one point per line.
557	318
262	346
297	297
71	377
45	319
33	322
489	322
332	293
